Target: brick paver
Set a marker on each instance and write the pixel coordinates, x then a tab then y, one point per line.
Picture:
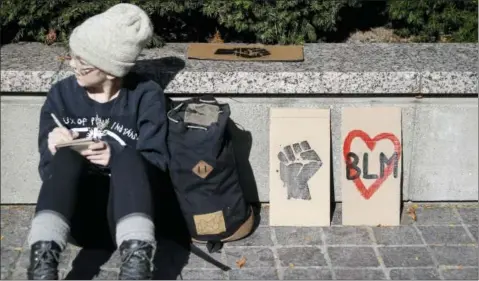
441	244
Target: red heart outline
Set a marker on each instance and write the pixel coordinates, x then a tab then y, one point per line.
370	143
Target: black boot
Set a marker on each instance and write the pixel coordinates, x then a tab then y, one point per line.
136	260
44	258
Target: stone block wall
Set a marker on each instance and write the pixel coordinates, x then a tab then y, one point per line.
435	85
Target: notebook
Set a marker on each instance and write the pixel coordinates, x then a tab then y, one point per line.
78	144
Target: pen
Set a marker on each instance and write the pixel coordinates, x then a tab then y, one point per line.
59	124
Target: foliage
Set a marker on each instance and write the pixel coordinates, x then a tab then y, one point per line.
280	21
264	21
435	20
33	19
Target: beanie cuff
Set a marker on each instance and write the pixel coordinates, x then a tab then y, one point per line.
100	61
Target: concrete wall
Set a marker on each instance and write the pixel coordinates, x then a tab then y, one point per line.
440	144
440	131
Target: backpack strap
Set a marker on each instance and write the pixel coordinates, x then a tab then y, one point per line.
199	253
214	246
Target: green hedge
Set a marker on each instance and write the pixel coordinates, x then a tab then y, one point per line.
281	21
264	21
30	20
435	20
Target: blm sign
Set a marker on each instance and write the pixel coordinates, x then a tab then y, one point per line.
371	166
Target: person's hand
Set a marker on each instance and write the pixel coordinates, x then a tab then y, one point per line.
59	135
98	153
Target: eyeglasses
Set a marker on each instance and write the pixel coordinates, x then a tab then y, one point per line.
79	66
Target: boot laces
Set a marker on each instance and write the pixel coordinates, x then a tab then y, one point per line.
139	251
44	257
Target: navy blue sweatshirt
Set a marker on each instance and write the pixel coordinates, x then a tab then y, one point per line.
135	118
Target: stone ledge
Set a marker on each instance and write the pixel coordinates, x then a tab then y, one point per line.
328	69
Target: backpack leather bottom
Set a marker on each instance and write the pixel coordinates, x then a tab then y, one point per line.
243	231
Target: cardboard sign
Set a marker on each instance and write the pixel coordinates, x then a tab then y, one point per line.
371	166
299	167
245	52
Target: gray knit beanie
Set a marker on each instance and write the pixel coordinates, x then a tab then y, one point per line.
113	40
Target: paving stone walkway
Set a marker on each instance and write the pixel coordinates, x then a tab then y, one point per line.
440	244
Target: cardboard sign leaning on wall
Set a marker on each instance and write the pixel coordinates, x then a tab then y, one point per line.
371	166
299	167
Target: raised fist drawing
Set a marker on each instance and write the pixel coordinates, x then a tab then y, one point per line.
298	164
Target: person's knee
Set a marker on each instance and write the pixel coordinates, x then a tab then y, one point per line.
66	155
125	159
67	159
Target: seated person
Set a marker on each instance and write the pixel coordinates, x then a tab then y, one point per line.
105	187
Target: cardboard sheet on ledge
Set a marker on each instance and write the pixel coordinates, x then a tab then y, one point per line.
245	52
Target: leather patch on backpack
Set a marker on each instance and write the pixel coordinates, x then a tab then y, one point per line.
209	224
202	169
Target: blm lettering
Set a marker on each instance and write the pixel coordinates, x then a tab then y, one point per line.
353	171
